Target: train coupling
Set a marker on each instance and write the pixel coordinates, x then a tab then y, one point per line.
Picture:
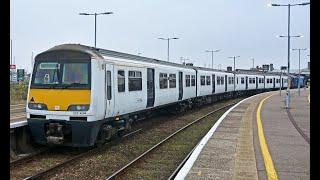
54	133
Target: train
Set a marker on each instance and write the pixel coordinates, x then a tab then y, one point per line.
296	81
82	96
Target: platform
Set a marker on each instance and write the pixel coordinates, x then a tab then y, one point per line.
236	148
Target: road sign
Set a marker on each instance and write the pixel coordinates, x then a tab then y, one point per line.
20	74
12	66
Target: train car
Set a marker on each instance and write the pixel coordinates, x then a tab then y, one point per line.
211	81
78	93
241	82
81	96
296	80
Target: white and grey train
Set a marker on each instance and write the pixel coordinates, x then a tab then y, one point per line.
80	95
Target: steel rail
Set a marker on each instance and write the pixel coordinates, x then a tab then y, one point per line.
13	105
74	159
27	158
175	172
20	108
163	141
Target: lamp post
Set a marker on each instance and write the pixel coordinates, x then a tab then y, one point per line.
289	82
212	51
281	81
168	39
183	60
95	23
234	69
252	63
11	61
299	49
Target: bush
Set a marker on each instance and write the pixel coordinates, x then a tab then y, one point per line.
18	92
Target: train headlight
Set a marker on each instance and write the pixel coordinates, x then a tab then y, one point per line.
37	106
79	107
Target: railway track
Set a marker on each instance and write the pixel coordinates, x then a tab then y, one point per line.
27	158
125	173
46	171
17	112
108	162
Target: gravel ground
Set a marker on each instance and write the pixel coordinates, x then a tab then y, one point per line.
100	165
162	162
42	162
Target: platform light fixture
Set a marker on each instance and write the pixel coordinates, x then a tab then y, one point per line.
212	51
288	36
299	49
234	69
168	39
95	23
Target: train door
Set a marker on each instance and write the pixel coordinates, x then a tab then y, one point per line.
274	82
264	82
213	83
226	81
150	87
109	90
281	82
180	86
246	82
257	83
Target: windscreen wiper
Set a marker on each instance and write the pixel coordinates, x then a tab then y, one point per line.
72	84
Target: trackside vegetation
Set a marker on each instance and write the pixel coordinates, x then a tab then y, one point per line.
18	93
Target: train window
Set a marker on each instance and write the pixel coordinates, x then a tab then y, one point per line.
193	80
203	80
222	80
208	80
109	85
218	80
187	80
172	81
270	80
232	80
242	80
253	80
250	81
135	81
74	73
121	81
237	80
163	80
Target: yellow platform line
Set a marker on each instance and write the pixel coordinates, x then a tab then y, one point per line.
271	172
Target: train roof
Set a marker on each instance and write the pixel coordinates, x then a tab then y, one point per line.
92	51
98	52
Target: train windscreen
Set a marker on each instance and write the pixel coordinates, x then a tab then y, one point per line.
61	75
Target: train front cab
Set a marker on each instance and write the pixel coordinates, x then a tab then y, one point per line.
60	100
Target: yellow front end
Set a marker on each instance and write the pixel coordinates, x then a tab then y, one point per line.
59	99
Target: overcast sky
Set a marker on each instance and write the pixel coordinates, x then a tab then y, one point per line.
246	28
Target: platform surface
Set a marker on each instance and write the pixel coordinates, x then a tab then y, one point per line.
234	151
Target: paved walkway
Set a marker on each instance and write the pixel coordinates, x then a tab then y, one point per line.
234	152
289	150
